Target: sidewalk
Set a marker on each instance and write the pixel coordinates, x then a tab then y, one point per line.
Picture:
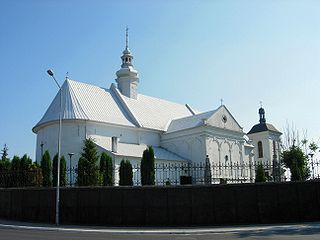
158	230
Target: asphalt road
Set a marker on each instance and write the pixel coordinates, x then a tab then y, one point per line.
304	233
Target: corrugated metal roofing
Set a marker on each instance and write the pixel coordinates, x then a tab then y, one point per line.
89	102
136	150
189	122
155	113
86	102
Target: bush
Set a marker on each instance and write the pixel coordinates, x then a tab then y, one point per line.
147	167
46	167
125	173
296	160
106	169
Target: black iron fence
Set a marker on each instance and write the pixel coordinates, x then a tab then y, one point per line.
165	174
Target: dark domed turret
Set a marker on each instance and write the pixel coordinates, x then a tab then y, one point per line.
262	115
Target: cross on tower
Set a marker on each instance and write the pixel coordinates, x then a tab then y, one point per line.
221	100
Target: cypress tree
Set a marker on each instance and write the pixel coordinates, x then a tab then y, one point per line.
63	170
88	173
125	173
147	167
46	167
106	169
260	175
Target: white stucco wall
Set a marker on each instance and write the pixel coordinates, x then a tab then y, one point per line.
267	139
74	132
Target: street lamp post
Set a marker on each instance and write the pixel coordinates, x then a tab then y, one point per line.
51	74
70	155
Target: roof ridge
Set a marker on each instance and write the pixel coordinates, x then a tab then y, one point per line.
124	105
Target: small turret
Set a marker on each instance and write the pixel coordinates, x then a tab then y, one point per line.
127	76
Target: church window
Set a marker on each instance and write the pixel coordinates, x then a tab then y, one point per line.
126	59
226	158
260	150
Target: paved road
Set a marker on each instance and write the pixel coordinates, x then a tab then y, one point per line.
304	232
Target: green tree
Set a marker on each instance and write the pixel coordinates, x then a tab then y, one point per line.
296	161
15	163
88	173
4	151
5	161
125	173
313	147
260	174
24	170
106	169
25	163
147	167
63	170
36	178
46	167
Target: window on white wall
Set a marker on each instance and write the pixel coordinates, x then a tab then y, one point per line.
260	150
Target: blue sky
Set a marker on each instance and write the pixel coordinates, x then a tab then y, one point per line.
194	52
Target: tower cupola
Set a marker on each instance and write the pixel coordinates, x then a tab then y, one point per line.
127	76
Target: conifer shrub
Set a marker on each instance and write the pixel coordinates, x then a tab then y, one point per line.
260	174
147	167
125	173
88	172
106	169
63	171
46	167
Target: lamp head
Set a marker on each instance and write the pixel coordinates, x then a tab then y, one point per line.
50	72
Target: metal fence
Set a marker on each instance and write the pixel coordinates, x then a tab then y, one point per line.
167	174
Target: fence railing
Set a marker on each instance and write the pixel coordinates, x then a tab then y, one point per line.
165	174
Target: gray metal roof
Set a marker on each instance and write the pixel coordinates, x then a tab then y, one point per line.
189	122
88	102
262	127
136	150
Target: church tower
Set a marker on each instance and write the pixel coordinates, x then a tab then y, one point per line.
127	76
266	140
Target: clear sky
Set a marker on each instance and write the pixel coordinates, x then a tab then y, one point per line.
194	52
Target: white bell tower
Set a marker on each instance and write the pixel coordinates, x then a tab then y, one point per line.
127	76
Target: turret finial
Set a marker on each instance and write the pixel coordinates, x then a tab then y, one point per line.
262	114
127	37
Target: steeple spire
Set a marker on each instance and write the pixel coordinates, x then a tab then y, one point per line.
127	56
127	76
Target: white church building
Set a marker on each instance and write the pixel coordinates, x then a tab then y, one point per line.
123	122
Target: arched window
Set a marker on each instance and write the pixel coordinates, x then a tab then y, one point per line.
260	150
226	158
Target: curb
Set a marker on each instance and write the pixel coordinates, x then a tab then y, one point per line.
238	229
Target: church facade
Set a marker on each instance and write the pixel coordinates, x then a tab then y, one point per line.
123	122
